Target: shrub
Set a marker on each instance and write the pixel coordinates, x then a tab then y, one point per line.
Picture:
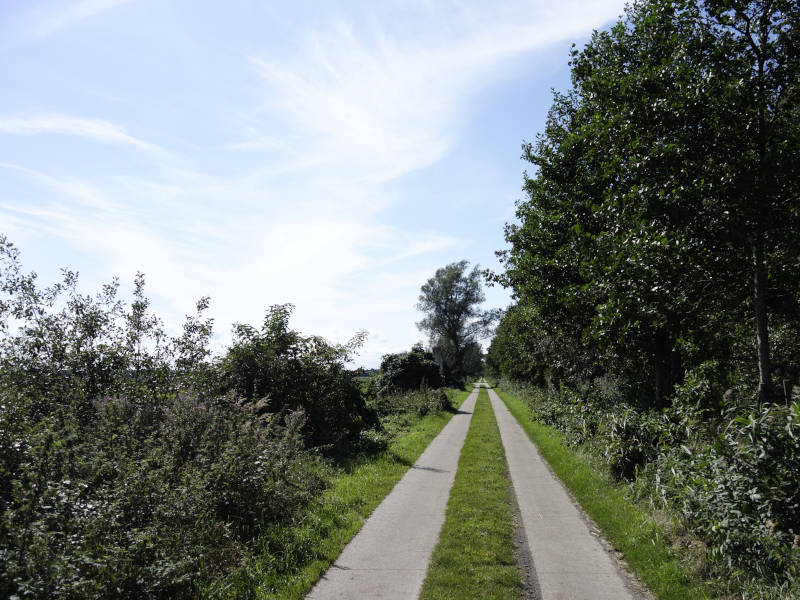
629	439
131	463
419	402
408	371
296	372
741	490
146	500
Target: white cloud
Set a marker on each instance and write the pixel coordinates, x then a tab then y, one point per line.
65	16
344	274
375	104
95	129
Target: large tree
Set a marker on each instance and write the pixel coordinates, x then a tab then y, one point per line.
453	320
662	215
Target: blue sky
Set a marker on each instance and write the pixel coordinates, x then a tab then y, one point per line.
328	154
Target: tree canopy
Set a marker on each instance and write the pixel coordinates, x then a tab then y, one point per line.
659	226
409	371
450	300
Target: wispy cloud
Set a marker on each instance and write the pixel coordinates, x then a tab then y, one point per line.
384	104
86	194
74	12
95	129
343	272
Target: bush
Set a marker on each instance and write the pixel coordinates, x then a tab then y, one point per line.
408	371
146	500
132	464
577	414
741	490
419	402
291	371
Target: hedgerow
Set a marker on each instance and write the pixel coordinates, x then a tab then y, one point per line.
136	464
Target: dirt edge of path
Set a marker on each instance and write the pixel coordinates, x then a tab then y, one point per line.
639	590
522	551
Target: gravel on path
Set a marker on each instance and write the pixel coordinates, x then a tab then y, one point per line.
568	559
389	556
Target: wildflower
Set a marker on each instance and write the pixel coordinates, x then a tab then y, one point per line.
770	527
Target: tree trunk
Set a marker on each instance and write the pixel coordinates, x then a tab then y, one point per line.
762	330
759	268
662	364
676	367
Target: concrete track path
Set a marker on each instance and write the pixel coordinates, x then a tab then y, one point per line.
569	561
389	556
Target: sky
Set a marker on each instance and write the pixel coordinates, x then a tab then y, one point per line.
328	154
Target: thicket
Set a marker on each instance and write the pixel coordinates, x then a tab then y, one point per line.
286	370
136	464
656	271
407	386
408	371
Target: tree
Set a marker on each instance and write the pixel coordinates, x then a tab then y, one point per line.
669	167
759	42
453	320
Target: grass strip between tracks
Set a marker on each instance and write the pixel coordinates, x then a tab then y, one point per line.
294	557
475	554
630	528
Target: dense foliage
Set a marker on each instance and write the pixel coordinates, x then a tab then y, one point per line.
655	266
408	371
289	371
659	229
135	464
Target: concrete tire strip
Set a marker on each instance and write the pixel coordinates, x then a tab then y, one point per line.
569	560
389	556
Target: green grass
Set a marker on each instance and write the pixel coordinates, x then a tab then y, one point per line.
474	557
629	527
292	558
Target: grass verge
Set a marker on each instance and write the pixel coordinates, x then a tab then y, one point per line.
630	528
475	554
292	558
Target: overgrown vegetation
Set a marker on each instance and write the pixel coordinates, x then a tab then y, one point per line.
297	554
133	463
410	370
656	272
288	370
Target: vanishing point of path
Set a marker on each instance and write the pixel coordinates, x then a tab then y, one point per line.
389	557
